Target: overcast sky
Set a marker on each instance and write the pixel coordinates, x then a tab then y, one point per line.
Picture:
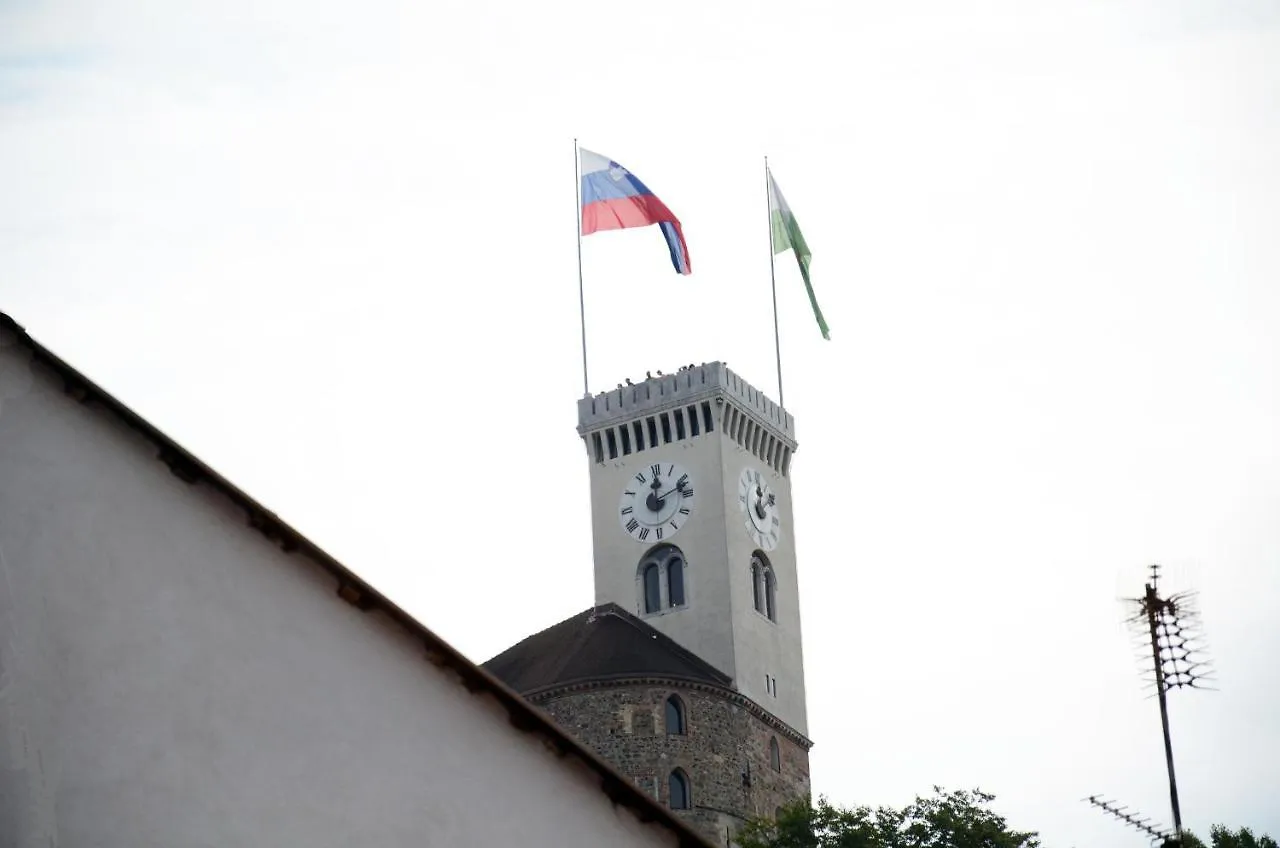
329	247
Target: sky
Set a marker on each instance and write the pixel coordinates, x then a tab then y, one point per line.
329	248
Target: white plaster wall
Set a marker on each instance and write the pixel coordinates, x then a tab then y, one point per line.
762	646
169	678
704	626
720	623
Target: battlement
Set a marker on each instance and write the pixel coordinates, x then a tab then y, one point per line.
685	386
671	407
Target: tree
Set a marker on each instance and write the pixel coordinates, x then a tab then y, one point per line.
943	820
1222	836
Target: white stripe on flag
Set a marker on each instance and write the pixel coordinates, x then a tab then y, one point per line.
592	162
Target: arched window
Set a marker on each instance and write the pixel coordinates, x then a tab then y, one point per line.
764	586
678	790
652	588
775	754
757	570
661	580
770	595
675	715
675	581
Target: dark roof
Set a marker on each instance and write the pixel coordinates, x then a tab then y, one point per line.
353	590
601	643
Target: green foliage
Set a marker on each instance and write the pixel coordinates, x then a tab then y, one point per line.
942	820
1224	837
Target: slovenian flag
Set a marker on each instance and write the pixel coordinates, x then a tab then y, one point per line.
613	199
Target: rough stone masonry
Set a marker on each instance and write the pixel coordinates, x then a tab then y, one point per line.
725	750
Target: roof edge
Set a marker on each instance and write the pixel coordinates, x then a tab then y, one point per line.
521	713
618	681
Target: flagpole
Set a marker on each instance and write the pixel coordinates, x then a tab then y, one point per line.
773	282
582	304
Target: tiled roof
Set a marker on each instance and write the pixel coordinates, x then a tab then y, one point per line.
601	643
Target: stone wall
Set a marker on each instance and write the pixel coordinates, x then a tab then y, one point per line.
625	724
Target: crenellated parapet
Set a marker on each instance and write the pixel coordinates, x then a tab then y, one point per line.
694	401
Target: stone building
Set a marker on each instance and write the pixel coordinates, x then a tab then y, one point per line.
687	675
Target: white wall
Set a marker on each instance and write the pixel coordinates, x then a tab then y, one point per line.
762	646
704	626
170	678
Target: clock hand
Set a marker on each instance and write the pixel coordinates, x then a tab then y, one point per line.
760	502
654	500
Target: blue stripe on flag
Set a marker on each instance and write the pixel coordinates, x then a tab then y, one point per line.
598	185
678	259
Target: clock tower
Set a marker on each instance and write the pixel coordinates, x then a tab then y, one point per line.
693	526
687	672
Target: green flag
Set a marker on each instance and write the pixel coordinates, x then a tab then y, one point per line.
786	234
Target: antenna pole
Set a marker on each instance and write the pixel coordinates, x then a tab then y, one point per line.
1170	624
582	303
1155	605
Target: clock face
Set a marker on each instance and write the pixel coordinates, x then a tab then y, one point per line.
656	502
759	508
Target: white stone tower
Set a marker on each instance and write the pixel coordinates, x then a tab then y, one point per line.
693	525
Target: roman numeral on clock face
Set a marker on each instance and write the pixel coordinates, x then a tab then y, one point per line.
656	502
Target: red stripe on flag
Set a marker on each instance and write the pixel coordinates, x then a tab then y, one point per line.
624	212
